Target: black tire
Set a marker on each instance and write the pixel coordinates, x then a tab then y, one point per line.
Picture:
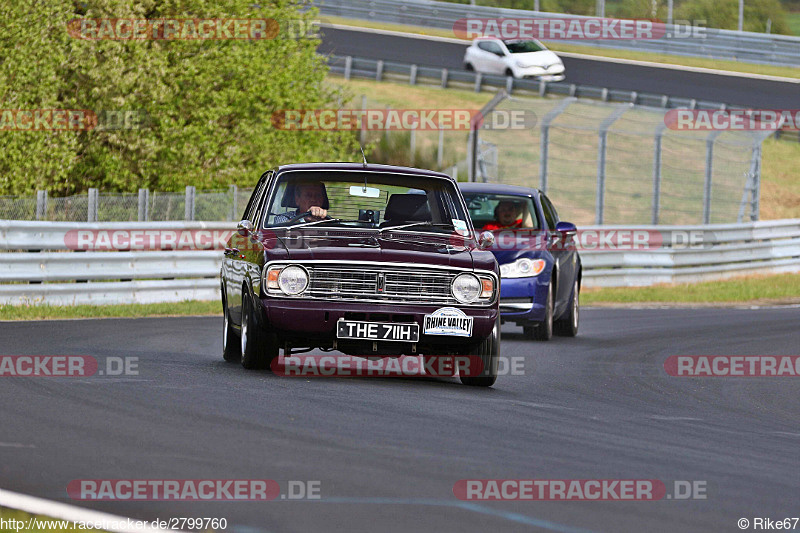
567	325
489	352
231	346
468	67
543	331
259	345
509	73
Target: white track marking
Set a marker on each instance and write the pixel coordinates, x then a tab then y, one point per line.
62	511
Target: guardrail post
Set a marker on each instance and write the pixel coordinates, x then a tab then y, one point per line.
478	81
144	201
189	204
601	160
379	71
41	205
348	66
412	77
544	142
657	170
91	215
444	78
542	87
509	84
234	201
709	175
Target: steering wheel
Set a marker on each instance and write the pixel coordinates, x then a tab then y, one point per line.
303	215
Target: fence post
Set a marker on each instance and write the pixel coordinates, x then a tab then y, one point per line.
544	142
41	205
379	71
362	136
601	160
412	77
440	151
444	78
657	170
412	146
709	175
189	203
234	200
91	215
144	197
475	125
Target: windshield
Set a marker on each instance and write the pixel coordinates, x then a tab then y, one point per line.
492	212
366	199
523	47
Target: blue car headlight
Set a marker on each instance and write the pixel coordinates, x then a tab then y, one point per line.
522	268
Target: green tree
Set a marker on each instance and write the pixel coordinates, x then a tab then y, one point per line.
209	102
725	14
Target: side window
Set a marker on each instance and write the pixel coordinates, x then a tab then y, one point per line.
490	46
550	214
255	198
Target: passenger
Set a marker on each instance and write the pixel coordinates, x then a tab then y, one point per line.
507	215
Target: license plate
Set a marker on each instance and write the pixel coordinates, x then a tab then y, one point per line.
377	331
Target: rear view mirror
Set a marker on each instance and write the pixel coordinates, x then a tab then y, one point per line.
244	227
364	191
566	227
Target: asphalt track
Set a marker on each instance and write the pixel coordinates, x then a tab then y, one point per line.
388	451
732	90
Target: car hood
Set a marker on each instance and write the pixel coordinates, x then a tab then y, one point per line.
543	58
394	247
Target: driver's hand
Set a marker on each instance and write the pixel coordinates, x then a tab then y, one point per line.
317	212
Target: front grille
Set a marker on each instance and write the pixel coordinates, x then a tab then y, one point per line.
380	284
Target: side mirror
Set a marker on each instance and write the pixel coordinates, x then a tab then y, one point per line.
485	240
568	228
244	228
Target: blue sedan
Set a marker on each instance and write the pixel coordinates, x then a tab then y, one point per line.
540	269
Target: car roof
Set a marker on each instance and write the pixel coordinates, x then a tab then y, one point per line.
362	167
497	188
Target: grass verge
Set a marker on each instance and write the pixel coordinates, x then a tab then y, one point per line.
765	290
41	312
700	62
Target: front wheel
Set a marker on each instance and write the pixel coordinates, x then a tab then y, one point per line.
259	346
230	347
489	353
567	325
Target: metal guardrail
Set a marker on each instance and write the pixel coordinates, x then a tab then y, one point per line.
71	278
714	43
379	70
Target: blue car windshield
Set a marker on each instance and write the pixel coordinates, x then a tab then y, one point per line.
501	211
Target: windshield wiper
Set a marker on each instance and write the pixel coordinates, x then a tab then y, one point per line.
412	224
315	222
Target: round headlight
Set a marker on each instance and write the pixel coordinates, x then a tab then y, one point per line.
524	267
293	280
466	288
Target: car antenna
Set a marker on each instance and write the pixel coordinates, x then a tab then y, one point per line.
362	155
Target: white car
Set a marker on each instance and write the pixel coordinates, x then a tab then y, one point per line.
519	58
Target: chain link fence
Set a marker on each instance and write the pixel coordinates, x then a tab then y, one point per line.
94	206
605	163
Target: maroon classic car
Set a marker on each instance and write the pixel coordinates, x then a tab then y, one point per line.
368	260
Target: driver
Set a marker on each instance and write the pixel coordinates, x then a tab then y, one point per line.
308	196
507	214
